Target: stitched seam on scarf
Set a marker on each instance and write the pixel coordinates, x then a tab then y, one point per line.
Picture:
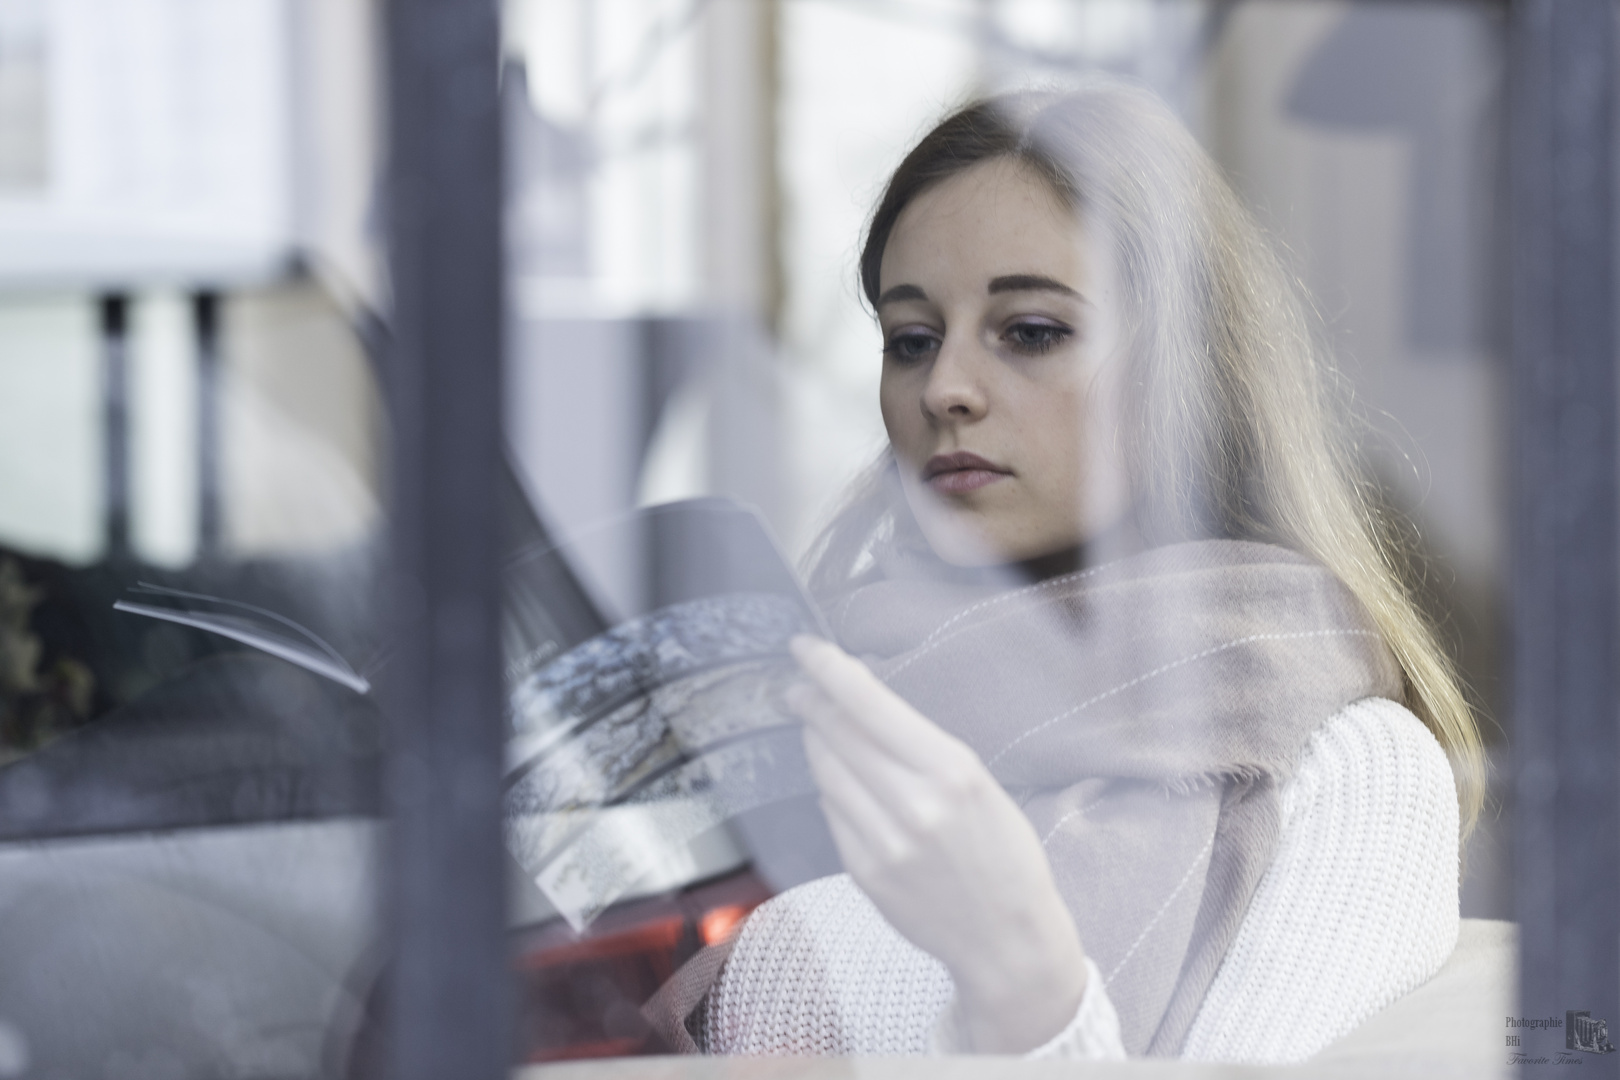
1157	915
929	641
1185	660
1070	814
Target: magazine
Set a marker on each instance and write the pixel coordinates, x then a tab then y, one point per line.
649	724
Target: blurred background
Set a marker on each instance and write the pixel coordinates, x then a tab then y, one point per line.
192	276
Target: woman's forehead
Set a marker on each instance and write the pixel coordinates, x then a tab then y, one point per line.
992	220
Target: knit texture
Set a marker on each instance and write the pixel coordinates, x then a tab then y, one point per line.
1358	907
818	971
1360	904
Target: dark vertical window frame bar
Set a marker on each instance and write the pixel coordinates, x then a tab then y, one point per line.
205	314
114	328
1566	541
448	998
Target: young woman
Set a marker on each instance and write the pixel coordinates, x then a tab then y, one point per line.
1146	751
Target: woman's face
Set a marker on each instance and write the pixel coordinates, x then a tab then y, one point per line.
998	317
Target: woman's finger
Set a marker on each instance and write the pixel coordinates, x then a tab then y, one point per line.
910	798
852	739
876	711
853	849
806	701
861	856
858	804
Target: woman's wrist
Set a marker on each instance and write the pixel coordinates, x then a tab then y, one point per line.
1020	997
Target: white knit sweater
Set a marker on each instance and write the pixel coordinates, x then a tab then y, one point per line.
1358	907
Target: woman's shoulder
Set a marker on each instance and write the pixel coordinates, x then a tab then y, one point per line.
1376	753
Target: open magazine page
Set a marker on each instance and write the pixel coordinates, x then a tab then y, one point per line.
642	739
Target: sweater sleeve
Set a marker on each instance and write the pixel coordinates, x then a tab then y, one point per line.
1360	904
1093	1034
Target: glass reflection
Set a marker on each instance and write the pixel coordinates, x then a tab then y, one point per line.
1119	676
1119	742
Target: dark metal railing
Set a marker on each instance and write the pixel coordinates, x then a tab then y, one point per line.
1565	539
448	996
114	326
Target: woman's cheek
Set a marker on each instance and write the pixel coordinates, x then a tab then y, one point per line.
898	421
1058	458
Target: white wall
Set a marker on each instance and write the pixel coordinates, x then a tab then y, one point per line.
51	471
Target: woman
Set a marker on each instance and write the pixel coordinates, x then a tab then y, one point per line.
1148	757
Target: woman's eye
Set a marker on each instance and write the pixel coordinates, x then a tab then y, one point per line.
1033	337
910	346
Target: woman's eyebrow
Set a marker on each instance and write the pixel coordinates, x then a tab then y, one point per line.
902	292
1028	283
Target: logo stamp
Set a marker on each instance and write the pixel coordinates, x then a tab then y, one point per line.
1585	1034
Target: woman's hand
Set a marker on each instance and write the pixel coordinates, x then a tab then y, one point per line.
943	852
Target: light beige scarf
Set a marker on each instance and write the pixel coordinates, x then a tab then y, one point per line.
1146	715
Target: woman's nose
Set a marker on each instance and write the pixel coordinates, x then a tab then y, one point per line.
955	388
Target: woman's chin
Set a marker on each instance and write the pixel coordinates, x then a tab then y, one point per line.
987	527
959	544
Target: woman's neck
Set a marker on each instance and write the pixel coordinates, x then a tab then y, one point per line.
1117	541
1054	564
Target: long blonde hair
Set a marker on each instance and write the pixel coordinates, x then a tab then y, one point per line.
1230	428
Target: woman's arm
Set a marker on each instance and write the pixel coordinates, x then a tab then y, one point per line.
943	852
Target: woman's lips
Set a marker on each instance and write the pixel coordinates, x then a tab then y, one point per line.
961	472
